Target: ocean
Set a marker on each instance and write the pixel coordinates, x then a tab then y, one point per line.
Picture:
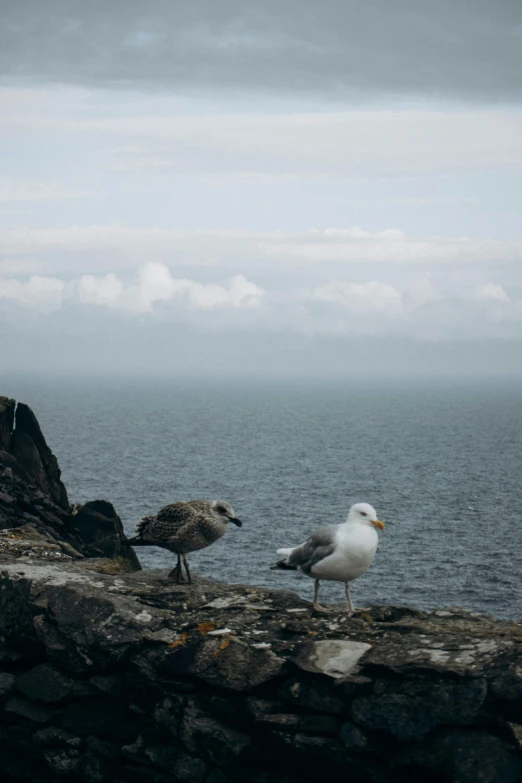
440	461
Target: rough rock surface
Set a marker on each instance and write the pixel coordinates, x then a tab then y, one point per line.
112	678
115	676
33	497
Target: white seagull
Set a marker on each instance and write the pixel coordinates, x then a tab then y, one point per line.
337	553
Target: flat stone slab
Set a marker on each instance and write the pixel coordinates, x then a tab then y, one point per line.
332	657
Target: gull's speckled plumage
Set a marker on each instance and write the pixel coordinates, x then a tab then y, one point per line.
185	527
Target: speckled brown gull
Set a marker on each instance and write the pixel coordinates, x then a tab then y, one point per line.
185	527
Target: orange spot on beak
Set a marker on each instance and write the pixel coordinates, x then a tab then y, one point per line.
379	524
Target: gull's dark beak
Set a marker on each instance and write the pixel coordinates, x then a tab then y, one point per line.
236	521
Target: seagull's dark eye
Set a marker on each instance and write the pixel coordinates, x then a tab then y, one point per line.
364	514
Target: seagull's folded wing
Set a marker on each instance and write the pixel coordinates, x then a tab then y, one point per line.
321	544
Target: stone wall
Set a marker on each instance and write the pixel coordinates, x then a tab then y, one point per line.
108	673
131	678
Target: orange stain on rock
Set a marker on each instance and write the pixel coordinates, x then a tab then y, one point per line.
184	637
223	646
205	628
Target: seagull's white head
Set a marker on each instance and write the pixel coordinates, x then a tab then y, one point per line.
364	514
226	512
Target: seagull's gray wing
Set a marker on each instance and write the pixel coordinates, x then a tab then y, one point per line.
321	544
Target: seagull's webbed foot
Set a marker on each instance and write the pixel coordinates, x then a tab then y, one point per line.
351	608
177	573
318	608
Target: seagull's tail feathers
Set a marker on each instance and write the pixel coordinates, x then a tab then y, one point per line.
284	565
142	529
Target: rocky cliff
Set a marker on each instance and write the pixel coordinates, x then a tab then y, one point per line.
33	496
113	674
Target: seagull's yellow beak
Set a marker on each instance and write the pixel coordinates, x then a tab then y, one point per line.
378	523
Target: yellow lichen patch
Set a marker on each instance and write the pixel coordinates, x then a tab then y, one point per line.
108	565
180	642
366	616
223	646
205	628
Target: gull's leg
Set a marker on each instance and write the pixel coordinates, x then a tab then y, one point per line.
316	606
187	569
352	610
177	573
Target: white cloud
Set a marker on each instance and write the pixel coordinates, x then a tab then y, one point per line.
240	293
41	293
490	292
414	307
422	291
249	249
19	266
12	189
363	298
156	284
333	144
157	135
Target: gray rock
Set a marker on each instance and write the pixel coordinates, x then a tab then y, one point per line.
333	657
101	716
44	683
212	740
464	757
227	662
36	713
7	411
51	736
506	686
29	448
62	762
409	710
182	766
314	696
93	769
7	682
109	684
352	737
269	712
100	527
169	713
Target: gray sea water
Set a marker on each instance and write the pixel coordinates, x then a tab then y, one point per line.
441	463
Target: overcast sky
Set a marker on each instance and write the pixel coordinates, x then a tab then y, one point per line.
248	188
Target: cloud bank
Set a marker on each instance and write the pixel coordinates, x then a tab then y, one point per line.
408	46
417	308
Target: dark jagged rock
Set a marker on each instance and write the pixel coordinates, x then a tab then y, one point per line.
34	502
100	528
7	411
29	448
109	675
